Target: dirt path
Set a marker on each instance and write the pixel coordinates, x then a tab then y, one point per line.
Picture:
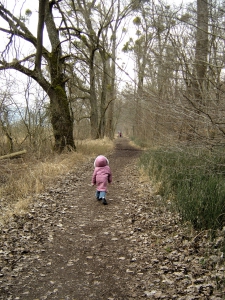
71	247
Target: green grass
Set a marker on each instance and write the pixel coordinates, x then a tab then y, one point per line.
194	180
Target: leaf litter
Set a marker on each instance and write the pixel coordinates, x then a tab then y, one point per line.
69	246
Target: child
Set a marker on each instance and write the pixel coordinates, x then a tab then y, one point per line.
101	177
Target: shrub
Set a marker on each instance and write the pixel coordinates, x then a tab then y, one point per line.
193	179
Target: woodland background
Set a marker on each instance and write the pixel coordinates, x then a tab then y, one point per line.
63	80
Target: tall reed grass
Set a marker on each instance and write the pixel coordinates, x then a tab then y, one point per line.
193	179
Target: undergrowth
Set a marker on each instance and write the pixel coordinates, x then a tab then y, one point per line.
193	180
139	142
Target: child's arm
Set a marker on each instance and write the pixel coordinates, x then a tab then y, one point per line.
110	177
93	180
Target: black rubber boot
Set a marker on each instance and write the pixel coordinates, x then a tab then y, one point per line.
104	201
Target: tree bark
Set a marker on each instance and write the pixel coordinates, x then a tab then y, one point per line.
41	22
60	118
112	85
59	105
102	121
201	50
93	98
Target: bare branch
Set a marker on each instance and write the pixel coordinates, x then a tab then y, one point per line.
41	20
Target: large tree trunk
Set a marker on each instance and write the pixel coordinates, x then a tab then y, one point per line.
59	105
61	119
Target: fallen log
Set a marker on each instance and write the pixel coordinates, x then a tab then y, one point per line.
11	155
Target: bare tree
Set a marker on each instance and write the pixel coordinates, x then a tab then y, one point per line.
54	82
92	28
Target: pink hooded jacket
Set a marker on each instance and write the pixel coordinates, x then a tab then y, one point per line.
102	174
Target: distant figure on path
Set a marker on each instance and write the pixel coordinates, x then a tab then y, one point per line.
102	175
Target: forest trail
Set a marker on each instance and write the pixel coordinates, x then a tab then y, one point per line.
71	247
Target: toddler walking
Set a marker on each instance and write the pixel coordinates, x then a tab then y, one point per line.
101	177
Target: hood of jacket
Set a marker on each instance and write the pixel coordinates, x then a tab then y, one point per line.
101	161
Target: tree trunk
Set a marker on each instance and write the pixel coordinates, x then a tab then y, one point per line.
201	50
60	118
93	99
104	93
59	105
112	92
